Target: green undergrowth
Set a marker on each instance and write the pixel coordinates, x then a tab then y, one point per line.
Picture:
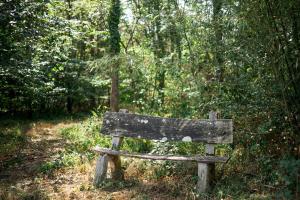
12	134
83	136
247	175
14	130
235	179
80	139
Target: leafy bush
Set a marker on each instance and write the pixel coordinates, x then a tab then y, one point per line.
289	175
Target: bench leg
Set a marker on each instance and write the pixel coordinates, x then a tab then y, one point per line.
101	170
116	168
206	174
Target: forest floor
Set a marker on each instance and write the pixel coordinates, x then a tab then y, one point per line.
22	165
49	159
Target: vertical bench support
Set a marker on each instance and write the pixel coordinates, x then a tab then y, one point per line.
206	171
101	169
115	162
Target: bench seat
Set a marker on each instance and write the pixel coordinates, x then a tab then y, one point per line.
197	158
123	124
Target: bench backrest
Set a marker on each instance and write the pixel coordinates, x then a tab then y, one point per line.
156	128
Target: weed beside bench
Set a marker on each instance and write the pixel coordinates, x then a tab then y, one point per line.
123	124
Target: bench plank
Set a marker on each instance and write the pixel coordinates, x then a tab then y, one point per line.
101	169
199	159
157	128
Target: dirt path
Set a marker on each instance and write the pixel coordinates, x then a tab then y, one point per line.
21	177
43	141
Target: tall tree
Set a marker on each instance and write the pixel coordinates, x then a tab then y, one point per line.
159	51
217	25
114	41
68	85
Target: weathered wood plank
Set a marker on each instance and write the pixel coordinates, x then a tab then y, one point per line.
101	170
157	128
199	159
202	183
210	148
210	168
206	171
206	176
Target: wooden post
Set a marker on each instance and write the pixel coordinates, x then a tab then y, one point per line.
115	160
101	169
102	162
206	171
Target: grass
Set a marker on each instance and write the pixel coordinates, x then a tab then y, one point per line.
23	195
11	133
80	139
14	132
13	137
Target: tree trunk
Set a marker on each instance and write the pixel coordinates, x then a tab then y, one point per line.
159	53
113	23
114	93
217	23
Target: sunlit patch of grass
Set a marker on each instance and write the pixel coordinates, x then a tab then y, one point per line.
81	138
64	160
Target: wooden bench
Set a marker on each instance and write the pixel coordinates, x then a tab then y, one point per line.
123	124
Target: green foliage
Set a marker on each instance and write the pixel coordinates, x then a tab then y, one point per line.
44	50
81	138
20	27
137	145
240	58
289	175
113	23
64	160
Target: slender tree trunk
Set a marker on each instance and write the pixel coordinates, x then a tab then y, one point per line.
159	52
217	23
113	23
114	93
68	85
